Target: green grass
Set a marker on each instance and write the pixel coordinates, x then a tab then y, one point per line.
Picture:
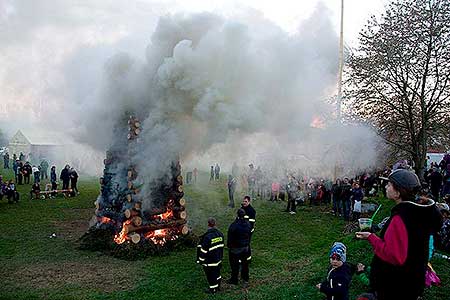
289	252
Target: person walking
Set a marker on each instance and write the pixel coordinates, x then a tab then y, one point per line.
238	243
401	251
210	254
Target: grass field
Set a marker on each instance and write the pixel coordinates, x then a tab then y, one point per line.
290	252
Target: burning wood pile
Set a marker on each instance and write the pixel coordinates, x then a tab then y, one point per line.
119	208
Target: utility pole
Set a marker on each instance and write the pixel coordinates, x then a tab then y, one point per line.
341	63
339	95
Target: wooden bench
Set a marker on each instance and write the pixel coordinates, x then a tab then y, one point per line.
52	193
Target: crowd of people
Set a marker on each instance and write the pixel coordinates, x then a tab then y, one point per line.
403	243
23	171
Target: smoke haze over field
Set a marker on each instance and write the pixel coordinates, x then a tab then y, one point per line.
211	88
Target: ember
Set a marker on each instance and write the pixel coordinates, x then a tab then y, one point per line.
120	202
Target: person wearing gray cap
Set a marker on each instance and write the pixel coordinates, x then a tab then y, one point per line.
401	251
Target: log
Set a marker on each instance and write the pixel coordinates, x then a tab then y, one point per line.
130	185
129	198
137	221
131	213
151	227
181	215
182	202
185	229
180	179
180	188
135	237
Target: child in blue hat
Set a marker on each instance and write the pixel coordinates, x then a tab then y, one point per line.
337	284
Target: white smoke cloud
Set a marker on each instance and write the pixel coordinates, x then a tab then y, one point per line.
212	88
237	88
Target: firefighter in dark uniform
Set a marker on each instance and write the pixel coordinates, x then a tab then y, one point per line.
239	248
250	212
209	255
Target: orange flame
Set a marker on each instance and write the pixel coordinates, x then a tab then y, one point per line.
122	236
167	215
105	220
160	236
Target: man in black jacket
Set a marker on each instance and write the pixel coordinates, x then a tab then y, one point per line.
239	248
250	212
209	255
65	177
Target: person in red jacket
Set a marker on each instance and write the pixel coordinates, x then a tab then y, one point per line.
401	251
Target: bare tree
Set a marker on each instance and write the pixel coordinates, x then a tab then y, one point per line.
399	76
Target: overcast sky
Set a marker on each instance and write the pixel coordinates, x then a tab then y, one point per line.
43	41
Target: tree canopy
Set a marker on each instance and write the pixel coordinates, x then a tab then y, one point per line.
399	76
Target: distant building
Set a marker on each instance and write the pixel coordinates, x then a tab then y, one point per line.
37	143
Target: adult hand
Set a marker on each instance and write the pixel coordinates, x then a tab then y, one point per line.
363	235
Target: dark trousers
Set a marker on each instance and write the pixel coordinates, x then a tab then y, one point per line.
44	175
6	164
213	276
346	207
65	184
26	179
237	260
19	179
337	207
291	206
73	186
231	196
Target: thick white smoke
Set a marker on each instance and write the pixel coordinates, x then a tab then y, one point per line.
240	89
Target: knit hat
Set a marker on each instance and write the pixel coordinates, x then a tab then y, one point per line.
339	251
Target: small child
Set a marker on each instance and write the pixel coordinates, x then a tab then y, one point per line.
337	284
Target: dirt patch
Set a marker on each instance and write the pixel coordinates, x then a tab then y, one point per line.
105	276
73	229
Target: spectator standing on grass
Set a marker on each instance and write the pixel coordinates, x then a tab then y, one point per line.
337	284
44	169
36	174
231	189
73	180
217	172
211	178
65	177
15	167
401	251
435	179
6	161
336	195
27	170
346	194
357	197
195	173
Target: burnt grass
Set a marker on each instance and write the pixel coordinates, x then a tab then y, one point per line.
47	251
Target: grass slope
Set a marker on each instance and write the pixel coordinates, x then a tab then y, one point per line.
290	252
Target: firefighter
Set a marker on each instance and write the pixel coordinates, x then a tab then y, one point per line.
239	248
250	212
209	255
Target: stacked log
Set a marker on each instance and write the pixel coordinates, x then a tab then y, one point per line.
120	203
